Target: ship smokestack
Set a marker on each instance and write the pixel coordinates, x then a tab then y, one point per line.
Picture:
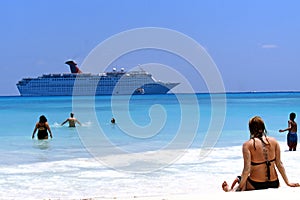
73	67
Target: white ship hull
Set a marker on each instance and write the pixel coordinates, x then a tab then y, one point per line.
82	84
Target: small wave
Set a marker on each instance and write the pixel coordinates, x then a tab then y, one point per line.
56	125
86	124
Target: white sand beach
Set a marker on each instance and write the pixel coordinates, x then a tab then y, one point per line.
291	161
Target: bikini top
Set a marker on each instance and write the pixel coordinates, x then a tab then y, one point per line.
267	162
42	127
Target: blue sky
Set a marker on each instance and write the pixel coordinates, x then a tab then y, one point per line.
255	44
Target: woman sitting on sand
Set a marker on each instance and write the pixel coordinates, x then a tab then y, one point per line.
261	154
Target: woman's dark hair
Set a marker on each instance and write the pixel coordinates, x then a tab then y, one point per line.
43	119
257	129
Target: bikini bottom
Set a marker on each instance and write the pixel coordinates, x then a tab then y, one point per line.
264	185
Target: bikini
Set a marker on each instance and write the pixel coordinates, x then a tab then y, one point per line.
267	184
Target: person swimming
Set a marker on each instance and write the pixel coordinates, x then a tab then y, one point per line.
72	121
113	120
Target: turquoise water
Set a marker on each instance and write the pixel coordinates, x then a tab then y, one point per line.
145	125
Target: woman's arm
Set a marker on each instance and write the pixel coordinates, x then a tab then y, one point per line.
281	168
247	166
48	128
34	131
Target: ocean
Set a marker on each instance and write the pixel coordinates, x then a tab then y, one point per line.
160	144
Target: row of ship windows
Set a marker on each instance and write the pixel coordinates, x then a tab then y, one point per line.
91	79
86	85
76	89
87	82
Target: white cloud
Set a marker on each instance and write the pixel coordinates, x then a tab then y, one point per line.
269	46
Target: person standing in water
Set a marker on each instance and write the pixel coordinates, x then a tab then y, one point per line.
292	138
43	128
72	121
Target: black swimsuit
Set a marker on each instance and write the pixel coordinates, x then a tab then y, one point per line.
264	185
267	184
42	133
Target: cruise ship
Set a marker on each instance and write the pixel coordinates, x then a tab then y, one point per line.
78	83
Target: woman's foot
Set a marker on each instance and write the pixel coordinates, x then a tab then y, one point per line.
225	186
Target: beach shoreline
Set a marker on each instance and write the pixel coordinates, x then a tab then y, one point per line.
289	160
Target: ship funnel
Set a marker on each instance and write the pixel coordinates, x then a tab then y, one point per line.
73	67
